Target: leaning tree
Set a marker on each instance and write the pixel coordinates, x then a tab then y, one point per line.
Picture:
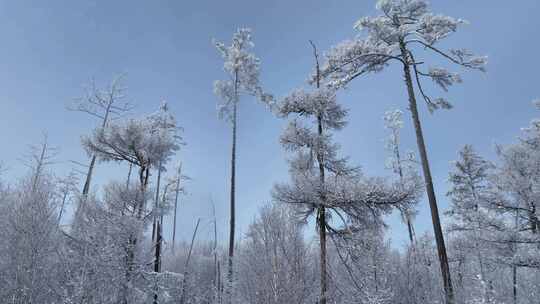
404	30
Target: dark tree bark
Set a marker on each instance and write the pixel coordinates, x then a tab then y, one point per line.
439	238
321	212
233	184
157	258
514	284
156	204
177	192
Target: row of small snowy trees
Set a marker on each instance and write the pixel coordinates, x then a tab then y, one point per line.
104	256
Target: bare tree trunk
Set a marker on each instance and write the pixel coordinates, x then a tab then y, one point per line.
62	206
177	192
156	232
405	214
439	238
322	241
40	163
219	284
217	273
86	187
514	267
410	228
128	179
514	284
321	213
233	184
184	279
156	203
157	258
321	219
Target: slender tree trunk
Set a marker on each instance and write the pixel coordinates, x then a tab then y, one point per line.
322	220
39	165
439	238
405	214
156	203
128	179
131	246
410	228
184	279
86	187
157	259
321	213
219	283
514	284
156	232
514	267
216	262
233	184
177	192
62	206
322	241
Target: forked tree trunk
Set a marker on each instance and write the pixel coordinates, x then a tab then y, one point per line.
439	238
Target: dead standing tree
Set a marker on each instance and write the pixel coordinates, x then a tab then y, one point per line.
105	105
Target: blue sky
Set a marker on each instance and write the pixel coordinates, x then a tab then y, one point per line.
51	49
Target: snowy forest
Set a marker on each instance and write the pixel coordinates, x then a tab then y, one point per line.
323	236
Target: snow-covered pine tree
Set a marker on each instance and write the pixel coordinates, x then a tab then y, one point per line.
404	30
471	217
243	69
325	185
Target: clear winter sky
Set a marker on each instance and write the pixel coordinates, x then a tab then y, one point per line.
50	49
